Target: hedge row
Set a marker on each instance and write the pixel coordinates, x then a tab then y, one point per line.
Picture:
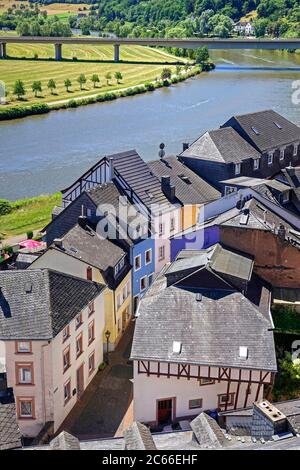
22	111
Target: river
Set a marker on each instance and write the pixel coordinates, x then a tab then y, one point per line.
42	154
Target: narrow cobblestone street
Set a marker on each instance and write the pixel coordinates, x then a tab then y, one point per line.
105	408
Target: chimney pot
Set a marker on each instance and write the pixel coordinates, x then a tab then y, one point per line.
82	221
58	242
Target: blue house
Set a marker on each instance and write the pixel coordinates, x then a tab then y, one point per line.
142	259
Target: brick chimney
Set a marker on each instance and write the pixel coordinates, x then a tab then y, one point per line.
267	420
168	188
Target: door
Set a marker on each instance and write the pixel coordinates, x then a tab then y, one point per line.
80	381
124	319
164	411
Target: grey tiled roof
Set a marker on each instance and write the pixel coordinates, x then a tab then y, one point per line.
10	436
138	437
207	431
39	303
211	330
65	441
221	145
189	187
268	135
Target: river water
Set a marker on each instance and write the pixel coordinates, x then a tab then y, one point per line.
42	154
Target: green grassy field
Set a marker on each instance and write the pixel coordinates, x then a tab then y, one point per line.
152	63
28	214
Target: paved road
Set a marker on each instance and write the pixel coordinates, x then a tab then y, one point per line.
106	406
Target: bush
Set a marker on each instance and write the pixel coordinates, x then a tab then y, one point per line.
5	207
72	104
22	111
35	56
149	86
166	83
29	235
8	249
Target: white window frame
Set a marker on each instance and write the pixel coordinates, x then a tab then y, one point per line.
140	266
22	377
24	400
146	283
282	154
91	356
150	276
23	350
148	251
295	150
198	403
270	158
161	229
172	224
285	197
256	164
237	168
119	300
163	256
229	190
67	386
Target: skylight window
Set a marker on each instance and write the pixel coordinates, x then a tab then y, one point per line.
243	352
255	130
277	125
176	347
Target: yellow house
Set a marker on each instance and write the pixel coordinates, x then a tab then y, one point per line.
82	253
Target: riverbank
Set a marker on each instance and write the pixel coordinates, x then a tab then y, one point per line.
25	215
14	112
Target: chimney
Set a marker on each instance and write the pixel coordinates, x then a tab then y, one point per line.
82	221
111	169
267	420
185	146
58	242
291	170
168	188
281	232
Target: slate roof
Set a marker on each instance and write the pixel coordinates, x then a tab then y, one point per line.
138	437
65	441
138	176
39	303
207	431
221	145
265	130
189	187
211	330
10	436
85	245
292	176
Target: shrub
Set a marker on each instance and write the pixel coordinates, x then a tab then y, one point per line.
35	56
5	207
8	249
29	235
166	83
22	111
149	86
72	104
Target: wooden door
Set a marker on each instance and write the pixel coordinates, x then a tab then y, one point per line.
80	381
164	411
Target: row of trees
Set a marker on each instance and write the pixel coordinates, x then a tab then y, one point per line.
20	91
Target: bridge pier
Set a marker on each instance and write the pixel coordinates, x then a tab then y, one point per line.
116	52
58	54
3	50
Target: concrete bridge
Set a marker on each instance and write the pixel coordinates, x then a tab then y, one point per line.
192	43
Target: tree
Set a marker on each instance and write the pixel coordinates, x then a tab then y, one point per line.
260	27
108	77
19	89
81	80
166	74
51	85
36	87
67	84
95	79
118	76
201	55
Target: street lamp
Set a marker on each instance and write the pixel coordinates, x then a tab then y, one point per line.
107	336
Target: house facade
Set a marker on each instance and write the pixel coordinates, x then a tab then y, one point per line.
213	348
53	345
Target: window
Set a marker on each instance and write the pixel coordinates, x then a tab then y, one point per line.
23	347
195	403
295	150
229	190
148	256
270	158
67	392
66	333
255	130
24	374
206	381
91	308
161	229
79	347
281	157
237	168
89	274
161	253
89	212
25	407
92	363
66	359
125	292
119	301
78	320
172	224
286	197
150	279
119	266
137	263
136	301
256	164
91	335
224	399
143	283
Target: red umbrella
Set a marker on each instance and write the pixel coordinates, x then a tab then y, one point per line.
31	244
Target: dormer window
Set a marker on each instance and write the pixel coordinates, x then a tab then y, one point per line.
295	151
256	163
282	154
237	169
270	158
286	197
119	266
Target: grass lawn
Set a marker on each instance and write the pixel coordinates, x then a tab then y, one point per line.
28	214
286	320
152	63
52	9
